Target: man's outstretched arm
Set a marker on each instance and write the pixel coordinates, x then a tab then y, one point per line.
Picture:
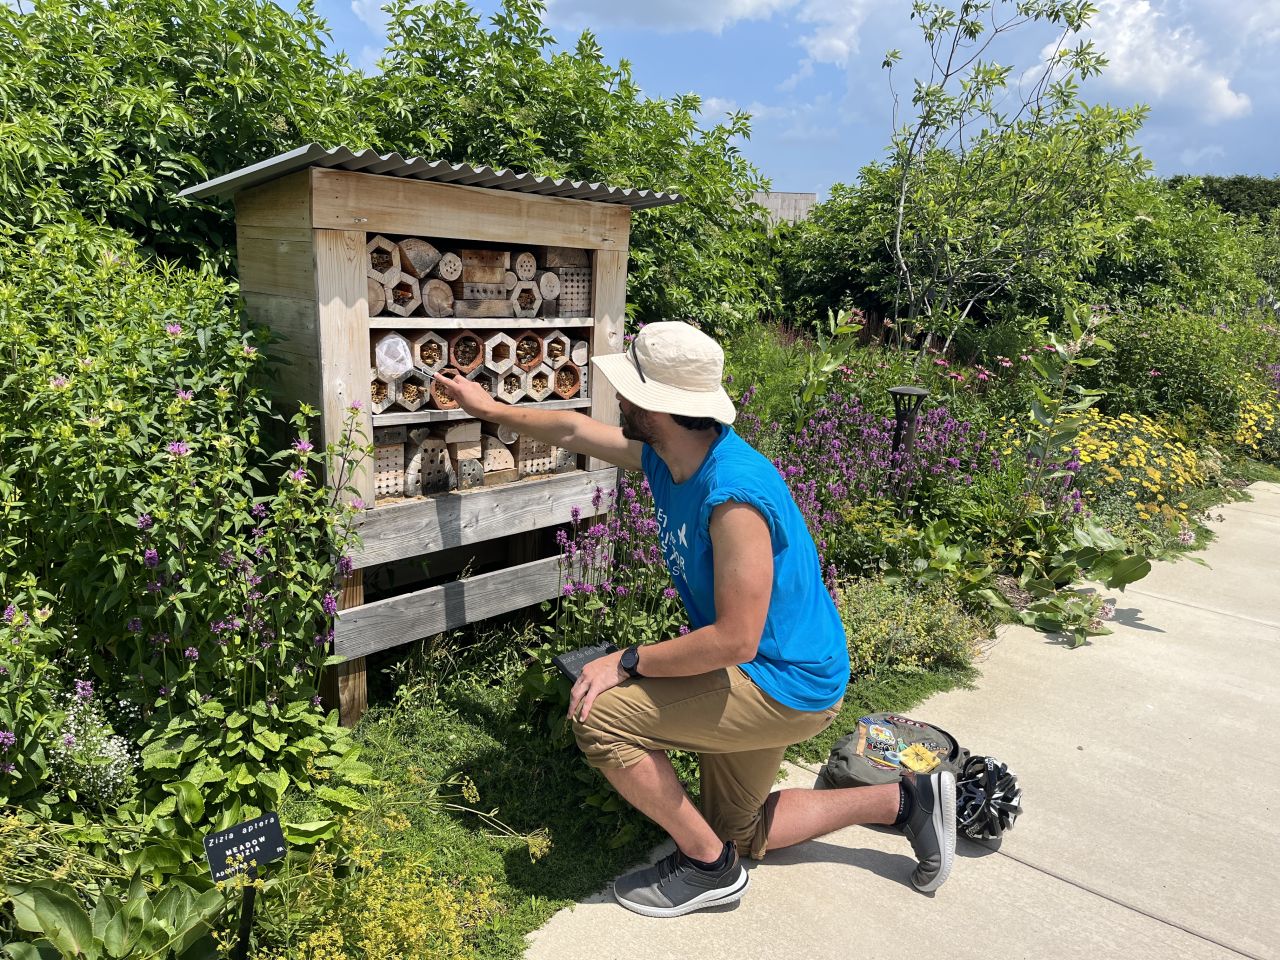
562	428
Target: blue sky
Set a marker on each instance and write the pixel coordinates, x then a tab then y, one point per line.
809	72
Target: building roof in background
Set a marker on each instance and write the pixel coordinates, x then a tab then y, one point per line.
416	168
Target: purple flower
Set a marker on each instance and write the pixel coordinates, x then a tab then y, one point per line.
191	653
259	510
683	630
84	689
153	586
7	739
6	768
346	565
1108	611
298	476
329	603
357	406
68	740
164	691
151	558
303	446
134	625
10	611
316	701
568	590
178	449
669	592
173	329
58	382
185	395
144	522
357	504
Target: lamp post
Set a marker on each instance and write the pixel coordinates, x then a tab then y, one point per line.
906	412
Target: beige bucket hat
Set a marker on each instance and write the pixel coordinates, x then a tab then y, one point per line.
671	367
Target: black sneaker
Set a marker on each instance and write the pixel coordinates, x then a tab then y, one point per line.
931	828
674	886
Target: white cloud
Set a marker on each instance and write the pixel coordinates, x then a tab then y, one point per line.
664	15
1192	158
1151	56
838	25
371	12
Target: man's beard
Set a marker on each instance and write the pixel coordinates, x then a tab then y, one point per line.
637	426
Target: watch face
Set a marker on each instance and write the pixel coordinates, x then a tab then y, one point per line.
630	659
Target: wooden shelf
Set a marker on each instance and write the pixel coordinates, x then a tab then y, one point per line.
478	323
437	416
410	528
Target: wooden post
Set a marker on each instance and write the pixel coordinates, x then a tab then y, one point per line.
341	292
609	307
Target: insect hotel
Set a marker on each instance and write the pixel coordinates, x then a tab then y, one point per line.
377	273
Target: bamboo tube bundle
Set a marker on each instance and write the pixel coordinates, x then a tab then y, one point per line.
526	299
382	394
439	398
466	351
541	382
528	350
511	385
556	347
418	258
437	298
486	378
384	260
499	353
430	352
413	391
567	380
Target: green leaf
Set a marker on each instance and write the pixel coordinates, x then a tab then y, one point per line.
313	831
269	739
53	910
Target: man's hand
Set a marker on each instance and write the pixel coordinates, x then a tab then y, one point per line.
472	397
597	676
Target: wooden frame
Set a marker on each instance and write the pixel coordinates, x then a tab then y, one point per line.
301	241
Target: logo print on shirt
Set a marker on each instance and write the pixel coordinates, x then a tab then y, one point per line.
671	552
680	533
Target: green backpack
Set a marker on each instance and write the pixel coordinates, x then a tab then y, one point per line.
874	752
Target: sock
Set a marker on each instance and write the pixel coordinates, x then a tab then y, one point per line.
726	857
906	803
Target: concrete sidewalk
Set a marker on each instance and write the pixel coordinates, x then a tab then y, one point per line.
1119	854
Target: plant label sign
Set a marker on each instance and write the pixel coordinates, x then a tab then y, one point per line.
244	847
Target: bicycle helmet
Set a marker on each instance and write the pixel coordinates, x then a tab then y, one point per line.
988	799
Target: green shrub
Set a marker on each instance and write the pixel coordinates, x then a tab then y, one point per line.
891	627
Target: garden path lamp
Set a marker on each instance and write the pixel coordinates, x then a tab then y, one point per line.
906	414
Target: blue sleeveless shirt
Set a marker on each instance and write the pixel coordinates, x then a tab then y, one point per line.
803	660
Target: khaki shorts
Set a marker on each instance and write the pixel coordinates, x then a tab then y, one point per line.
739	733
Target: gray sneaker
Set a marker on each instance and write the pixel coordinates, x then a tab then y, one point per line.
674	886
931	828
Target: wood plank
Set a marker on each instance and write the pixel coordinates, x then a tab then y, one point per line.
399	620
343	685
342	199
435	416
476	323
294	320
453	519
341	297
280	267
609	305
285	202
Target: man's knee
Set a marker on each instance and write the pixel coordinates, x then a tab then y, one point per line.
601	742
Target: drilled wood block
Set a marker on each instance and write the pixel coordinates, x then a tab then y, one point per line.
525	266
550	308
499	353
548	284
462	432
434	469
384	260
486	258
430	352
563	460
449	268
483	308
493	478
495	455
464	290
526	299
541	383
533	457
393	434
466	351
470	474
388	470
404	296
417	257
575	291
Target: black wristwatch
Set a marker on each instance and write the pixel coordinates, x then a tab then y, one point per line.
630	661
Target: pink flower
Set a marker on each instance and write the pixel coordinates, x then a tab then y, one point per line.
1153	373
1023	356
303	446
940	363
1004	361
357	406
173	329
357	504
58	382
178	449
185	395
191	653
298	476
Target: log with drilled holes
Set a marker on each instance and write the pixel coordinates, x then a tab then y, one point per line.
494	454
525	266
449	268
548	284
466	290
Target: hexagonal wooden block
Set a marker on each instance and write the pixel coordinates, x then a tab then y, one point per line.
556	347
439	399
567	380
382	395
466	351
526	298
384	260
404	296
528	350
487	379
413	391
541	382
511	385
499	353
430	352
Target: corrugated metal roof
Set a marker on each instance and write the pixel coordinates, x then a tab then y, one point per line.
416	168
